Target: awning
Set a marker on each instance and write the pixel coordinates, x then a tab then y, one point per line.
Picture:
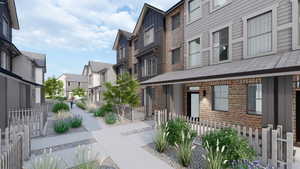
278	63
10	46
15	76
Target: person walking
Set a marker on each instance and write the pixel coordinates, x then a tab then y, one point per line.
72	102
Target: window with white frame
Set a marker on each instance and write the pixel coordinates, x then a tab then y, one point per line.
194	10
259	30
220	98
5	27
221	45
149	36
255	99
3	60
219	3
194	52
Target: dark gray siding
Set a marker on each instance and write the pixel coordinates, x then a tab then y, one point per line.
3	110
5	13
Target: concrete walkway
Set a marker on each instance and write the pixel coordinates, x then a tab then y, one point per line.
122	143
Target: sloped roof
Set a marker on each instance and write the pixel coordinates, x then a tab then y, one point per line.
124	33
38	58
13	14
282	62
98	66
75	77
146	7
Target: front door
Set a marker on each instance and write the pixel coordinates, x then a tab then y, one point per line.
193	106
298	116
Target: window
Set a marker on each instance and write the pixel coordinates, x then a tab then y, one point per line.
135	68
5	27
149	36
221	44
149	67
79	84
194	52
176	56
3	60
194	10
219	3
69	83
255	99
259	30
103	77
220	98
175	21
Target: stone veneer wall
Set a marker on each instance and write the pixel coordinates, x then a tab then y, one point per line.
237	113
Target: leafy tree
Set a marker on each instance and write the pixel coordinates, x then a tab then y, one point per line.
123	93
53	87
80	92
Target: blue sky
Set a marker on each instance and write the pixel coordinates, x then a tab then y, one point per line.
72	32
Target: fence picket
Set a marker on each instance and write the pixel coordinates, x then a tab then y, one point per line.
274	148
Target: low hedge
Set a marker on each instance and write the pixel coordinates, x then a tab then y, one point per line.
110	118
76	121
81	105
61	106
61	126
101	112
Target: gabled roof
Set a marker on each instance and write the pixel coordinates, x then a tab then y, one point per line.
126	34
74	77
98	66
142	15
278	63
38	58
13	14
175	6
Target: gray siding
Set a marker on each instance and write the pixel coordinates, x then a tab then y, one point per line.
233	14
3	110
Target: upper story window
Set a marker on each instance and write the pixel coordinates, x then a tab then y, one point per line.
221	45
121	52
194	53
216	4
149	36
255	99
175	21
135	69
220	98
176	56
194	10
103	77
149	67
69	83
5	27
4	60
259	31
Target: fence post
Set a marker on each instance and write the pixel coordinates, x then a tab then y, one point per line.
290	150
265	146
274	148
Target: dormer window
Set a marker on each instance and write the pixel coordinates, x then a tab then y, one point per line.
5	27
149	36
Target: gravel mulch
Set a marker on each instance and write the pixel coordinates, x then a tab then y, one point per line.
170	157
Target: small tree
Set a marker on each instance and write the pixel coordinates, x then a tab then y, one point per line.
53	87
80	92
123	93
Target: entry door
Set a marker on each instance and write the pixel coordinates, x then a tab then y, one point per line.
193	104
298	116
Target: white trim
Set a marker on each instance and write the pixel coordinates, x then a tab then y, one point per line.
295	26
211	10
188	53
272	9
284	26
228	78
229	25
188	12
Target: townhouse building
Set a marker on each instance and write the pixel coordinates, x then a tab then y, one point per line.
20	77
97	74
71	82
241	62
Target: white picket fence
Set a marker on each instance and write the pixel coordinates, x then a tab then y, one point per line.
272	145
15	147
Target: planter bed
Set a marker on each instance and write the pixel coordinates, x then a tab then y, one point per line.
50	129
107	164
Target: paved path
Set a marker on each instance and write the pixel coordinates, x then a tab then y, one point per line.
122	143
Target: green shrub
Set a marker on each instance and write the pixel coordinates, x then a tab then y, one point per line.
60	98
215	158
61	106
185	149
61	126
76	121
107	108
175	128
160	139
236	147
81	105
110	118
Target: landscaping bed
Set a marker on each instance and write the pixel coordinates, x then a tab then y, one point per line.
108	163
170	157
50	131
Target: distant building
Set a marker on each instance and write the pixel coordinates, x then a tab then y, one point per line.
97	74
73	81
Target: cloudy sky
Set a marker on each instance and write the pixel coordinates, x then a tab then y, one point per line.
72	32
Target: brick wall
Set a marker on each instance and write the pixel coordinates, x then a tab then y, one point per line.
237	110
